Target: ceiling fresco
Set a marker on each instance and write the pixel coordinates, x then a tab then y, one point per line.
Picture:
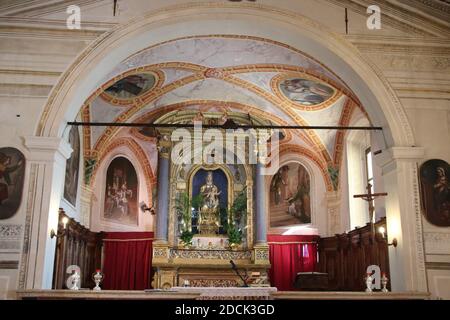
254	76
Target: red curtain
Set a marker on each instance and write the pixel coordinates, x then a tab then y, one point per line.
288	256
127	260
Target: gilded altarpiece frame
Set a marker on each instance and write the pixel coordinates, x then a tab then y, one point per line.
182	182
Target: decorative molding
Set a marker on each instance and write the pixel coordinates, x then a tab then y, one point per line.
291	148
412	154
10	232
210	254
410	62
214	283
437	242
419	242
261	255
397	17
23	271
45	148
8	264
438	265
10	237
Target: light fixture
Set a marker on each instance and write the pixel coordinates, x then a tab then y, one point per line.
144	208
382	231
53	234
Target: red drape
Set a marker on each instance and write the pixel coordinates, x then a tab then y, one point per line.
127	260
289	255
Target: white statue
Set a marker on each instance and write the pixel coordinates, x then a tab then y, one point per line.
73	281
369	283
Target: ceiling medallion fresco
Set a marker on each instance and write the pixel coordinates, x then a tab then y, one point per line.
131	86
304	92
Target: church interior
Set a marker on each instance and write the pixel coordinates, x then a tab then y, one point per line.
188	149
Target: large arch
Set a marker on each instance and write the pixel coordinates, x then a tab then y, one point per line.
95	63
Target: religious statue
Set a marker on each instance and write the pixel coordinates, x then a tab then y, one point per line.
209	220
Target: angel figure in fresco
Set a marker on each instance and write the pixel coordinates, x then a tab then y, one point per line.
6	168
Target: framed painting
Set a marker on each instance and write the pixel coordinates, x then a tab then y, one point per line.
72	168
435	191
12	173
290	202
121	192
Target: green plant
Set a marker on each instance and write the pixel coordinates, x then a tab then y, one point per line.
197	201
186	236
234	234
239	207
183	208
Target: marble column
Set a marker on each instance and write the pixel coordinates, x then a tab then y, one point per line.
162	213
260	206
46	163
261	248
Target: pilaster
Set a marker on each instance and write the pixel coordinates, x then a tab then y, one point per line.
403	216
333	212
47	161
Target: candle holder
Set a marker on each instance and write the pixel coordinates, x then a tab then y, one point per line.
384	282
98	277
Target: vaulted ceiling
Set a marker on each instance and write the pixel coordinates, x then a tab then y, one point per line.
220	74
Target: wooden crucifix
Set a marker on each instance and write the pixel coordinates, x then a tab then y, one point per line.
370	197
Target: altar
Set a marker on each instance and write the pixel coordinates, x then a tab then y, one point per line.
213	293
207	218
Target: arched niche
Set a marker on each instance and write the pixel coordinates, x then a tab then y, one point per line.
317	191
145	221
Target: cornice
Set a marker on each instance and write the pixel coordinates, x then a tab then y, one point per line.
38	7
23	24
397	18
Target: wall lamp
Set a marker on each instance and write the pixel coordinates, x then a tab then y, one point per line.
144	208
53	234
382	230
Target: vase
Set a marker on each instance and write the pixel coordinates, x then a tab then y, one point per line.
186	245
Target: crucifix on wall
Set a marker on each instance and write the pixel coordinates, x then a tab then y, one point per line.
370	197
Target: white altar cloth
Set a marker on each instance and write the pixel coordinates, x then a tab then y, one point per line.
229	293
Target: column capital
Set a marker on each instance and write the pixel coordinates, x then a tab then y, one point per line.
46	148
390	155
164	146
